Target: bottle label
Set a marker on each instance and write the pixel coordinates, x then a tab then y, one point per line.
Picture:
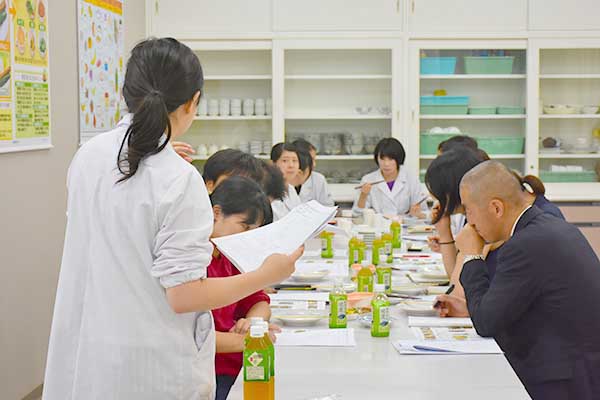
341	311
357	256
382	254
381	319
365	283
323	244
388	248
387	280
256	365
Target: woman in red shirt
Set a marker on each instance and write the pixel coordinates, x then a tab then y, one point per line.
239	204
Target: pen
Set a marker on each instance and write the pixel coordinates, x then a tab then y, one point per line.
372	183
422	200
450	289
427	348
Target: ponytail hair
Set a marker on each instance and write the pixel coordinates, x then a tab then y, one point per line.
162	74
531	184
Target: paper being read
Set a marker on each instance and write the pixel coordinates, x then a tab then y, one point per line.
248	250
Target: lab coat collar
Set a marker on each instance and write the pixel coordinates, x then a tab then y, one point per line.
399	184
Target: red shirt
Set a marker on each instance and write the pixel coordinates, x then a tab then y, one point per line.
225	317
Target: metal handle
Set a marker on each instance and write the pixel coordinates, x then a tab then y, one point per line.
156	7
412	7
397	6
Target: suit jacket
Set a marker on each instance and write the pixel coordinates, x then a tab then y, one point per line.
543	306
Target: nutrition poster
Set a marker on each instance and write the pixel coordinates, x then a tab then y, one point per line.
100	26
24	79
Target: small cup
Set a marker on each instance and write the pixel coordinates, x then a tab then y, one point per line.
369	217
203	106
248	107
224	107
260	107
213	107
269	106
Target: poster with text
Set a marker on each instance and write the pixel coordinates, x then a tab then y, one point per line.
24	78
100	37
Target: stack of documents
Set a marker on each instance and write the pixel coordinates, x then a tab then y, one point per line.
440	322
248	250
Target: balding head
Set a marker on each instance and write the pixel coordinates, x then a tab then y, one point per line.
493	198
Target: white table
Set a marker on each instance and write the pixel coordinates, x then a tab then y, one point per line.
375	370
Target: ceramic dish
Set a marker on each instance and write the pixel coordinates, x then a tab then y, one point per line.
366	319
300	320
417	307
314	276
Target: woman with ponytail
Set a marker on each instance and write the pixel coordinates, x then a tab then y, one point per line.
132	318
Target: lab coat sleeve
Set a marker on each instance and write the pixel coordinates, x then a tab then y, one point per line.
324	196
356	210
182	247
417	192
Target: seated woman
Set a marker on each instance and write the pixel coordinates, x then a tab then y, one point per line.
285	157
391	189
442	180
231	162
239	205
314	186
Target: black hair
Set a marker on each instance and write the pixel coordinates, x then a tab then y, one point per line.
279	148
242	195
305	160
232	162
392	148
458	141
303	144
273	182
162	74
444	175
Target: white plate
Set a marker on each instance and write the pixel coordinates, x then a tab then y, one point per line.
417	307
328	287
408	290
314	276
366	319
434	273
420	229
419	278
300	320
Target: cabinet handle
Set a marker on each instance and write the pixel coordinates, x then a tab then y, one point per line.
413	115
397	6
412	7
156	7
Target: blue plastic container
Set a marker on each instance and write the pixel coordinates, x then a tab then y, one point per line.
438	65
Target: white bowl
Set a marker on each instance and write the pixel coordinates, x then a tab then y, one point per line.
418	307
300	320
561	109
314	276
363	110
590	109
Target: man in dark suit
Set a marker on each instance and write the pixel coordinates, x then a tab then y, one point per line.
542	307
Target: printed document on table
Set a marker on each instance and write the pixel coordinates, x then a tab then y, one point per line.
248	250
316	338
439	322
445	334
440	347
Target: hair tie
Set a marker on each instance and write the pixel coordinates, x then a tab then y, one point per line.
155	92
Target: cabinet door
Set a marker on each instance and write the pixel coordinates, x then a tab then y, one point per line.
191	18
332	15
564	15
467	16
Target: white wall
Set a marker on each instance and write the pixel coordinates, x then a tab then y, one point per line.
32	211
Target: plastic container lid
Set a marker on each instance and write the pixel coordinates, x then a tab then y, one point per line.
378	288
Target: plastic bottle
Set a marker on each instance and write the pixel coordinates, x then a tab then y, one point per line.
362	247
353	250
365	277
396	231
387	242
384	277
326	244
379	255
380	325
338	301
267	338
256	365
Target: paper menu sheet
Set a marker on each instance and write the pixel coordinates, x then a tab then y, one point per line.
316	338
248	250
445	334
439	322
440	347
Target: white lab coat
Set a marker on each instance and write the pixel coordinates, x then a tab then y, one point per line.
114	335
315	188
282	207
457	222
407	191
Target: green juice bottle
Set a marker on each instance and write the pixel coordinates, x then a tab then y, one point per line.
387	242
380	325
379	255
338	301
365	277
326	244
396	231
384	277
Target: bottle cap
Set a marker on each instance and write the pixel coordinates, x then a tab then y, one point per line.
379	288
256	331
365	263
255	320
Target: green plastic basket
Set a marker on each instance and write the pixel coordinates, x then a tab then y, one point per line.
489	65
444	109
584	176
428	142
502	144
482	110
511	110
